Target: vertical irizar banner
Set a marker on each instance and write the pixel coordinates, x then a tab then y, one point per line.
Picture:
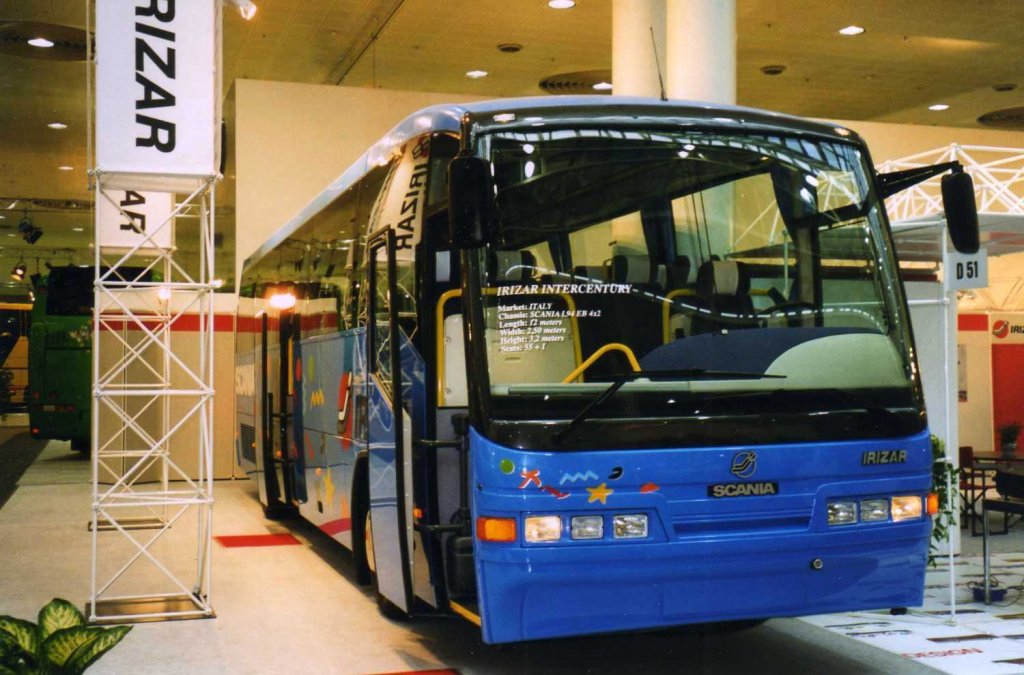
156	70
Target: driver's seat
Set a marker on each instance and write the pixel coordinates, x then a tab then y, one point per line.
723	297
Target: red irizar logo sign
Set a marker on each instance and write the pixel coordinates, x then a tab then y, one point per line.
1003	329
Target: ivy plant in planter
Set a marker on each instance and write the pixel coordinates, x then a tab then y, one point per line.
60	644
944	476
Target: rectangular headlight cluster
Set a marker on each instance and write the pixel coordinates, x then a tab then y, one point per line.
896	509
540	529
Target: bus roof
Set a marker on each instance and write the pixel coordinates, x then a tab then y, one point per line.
522	113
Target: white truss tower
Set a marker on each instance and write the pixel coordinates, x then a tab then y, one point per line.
153	384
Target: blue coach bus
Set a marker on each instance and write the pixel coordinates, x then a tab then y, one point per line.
577	365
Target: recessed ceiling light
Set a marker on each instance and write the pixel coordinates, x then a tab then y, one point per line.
939	107
57	125
78	229
40	42
10	234
561	4
65	167
603	86
476	74
851	30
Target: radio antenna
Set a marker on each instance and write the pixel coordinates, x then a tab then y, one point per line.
657	65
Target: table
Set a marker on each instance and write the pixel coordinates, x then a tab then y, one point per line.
1002	505
994	461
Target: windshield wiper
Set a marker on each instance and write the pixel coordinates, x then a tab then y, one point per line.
622	378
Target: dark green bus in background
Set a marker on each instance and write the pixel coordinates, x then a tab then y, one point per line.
60	356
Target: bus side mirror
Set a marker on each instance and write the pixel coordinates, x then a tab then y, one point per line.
961	211
470	201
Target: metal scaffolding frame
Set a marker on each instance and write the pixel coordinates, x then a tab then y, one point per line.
146	393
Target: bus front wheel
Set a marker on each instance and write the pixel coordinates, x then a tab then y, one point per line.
80	445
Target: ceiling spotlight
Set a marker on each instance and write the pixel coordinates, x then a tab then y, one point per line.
561	4
939	107
18	272
57	125
774	69
603	86
247	8
78	229
41	42
29	232
510	47
476	74
851	30
65	167
1004	86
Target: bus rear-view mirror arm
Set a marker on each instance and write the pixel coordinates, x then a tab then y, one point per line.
470	201
957	199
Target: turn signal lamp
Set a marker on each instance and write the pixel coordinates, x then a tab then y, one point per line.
933	503
495	529
542	528
906	507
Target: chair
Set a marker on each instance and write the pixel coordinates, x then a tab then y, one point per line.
974	482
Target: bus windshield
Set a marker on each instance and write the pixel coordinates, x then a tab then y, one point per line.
659	277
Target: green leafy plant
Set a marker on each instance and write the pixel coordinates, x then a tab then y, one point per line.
1008	433
60	644
944	477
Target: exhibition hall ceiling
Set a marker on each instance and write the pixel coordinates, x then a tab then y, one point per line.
912	55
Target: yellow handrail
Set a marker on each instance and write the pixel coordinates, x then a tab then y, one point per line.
611	346
666	310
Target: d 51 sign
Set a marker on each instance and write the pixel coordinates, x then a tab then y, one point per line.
156	70
966	270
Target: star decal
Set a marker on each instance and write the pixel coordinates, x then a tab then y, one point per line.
599	493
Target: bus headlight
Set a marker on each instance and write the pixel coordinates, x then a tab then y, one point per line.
842	513
631	526
873	510
587	527
543	528
906	507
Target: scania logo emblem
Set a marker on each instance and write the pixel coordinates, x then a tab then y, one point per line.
744	464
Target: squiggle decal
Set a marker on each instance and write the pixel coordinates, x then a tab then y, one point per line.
573	477
556	493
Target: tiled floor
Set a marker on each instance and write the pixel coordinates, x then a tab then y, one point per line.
285	609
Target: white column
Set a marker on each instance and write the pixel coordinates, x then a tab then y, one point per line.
701	50
634	68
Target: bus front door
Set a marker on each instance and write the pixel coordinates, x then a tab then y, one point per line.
280	454
389	429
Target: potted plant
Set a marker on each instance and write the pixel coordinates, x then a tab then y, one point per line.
1008	433
944	477
60	642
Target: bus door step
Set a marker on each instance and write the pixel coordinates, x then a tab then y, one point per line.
459	565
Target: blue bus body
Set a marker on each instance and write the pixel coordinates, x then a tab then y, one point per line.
734	529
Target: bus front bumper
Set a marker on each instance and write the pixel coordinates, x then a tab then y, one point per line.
531	593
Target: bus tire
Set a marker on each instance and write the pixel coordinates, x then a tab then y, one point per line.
81	445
